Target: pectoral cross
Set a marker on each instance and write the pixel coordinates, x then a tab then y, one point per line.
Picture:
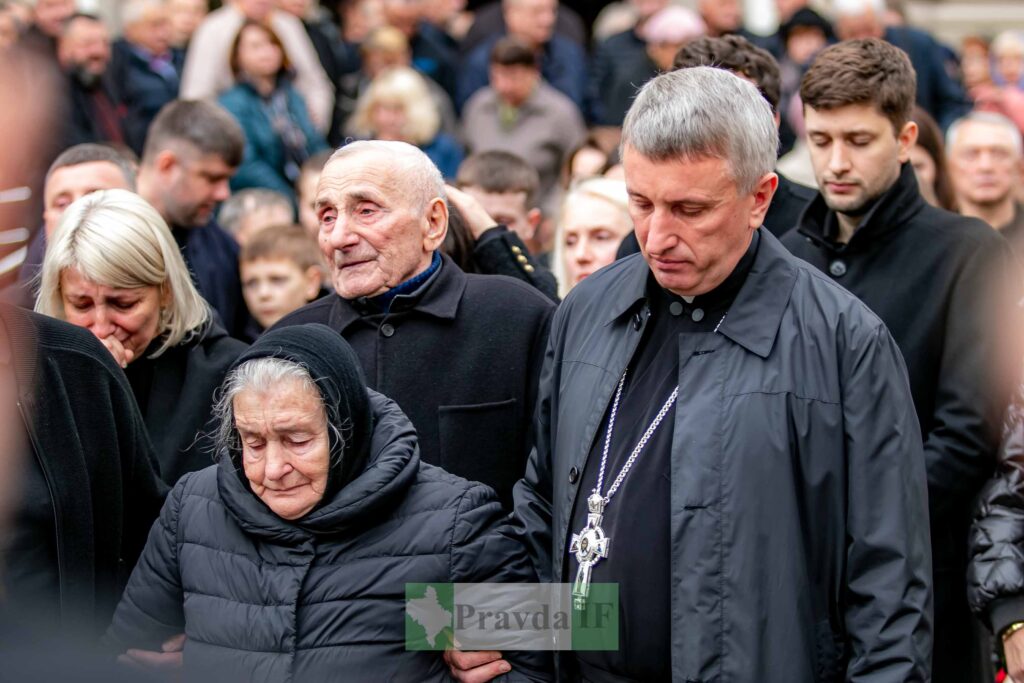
590	546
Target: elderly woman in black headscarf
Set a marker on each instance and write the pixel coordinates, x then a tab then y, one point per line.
288	559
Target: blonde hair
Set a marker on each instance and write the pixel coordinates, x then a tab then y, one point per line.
116	239
608	190
405	86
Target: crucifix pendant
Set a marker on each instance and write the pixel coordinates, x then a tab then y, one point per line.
590	546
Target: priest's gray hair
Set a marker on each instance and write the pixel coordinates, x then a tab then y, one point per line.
704	112
419	176
259	375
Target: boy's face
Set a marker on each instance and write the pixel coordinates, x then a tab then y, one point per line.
275	288
508	208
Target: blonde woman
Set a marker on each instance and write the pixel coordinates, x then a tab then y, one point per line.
114	268
593	222
398	105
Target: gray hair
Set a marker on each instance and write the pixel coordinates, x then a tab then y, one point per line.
705	112
419	173
134	11
992	118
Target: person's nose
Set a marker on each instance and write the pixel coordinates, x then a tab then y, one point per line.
101	324
581	251
839	159
661	236
342	237
221	190
278	464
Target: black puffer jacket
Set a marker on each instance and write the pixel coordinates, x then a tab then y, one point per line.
995	573
321	598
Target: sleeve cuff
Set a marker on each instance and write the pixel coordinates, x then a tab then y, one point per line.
491	234
1004	612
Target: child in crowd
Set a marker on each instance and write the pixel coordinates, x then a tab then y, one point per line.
247	212
281	271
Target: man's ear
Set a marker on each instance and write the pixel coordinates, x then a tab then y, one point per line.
437	224
763	193
534	217
165	161
907	139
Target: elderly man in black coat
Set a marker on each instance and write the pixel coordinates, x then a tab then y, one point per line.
737	425
459	353
941	282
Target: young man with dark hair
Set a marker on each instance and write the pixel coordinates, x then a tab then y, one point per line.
192	150
939	281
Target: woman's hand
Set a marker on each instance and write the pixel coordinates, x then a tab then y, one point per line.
477	218
122	355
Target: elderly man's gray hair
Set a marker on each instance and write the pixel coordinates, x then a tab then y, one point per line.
419	174
992	118
705	112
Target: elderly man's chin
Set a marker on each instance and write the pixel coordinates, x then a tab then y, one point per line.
363	279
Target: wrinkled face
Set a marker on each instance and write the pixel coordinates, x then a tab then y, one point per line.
85	45
274	288
258	56
513	83
721	16
388	119
285	446
153	31
69	183
864	25
306	192
984	164
692	224
856	154
186	15
373	232
49	15
192	187
592	230
924	169
130	315
508	208
532	21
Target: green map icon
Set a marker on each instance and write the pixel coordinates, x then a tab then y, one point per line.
429	616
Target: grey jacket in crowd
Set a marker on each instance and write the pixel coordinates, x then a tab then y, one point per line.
321	598
799	519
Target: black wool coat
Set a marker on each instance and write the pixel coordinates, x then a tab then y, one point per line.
321	598
939	281
462	360
86	433
175	393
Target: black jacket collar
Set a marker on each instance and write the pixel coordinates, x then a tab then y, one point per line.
756	312
891	212
439	299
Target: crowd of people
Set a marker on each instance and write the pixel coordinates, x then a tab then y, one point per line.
319	299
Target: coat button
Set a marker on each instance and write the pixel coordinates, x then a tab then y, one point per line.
837	268
516	250
574	475
522	259
675	308
697	315
387	329
528	268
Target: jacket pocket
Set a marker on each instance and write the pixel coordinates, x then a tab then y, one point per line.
830	654
481	442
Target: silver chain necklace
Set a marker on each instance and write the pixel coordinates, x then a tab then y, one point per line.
590	545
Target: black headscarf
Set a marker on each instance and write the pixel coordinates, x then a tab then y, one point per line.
335	369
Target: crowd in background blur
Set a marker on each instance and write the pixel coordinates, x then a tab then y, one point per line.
208	125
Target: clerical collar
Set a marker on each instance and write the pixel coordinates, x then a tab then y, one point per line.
719	298
410	288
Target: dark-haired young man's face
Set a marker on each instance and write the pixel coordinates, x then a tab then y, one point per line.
513	83
192	186
508	208
856	154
